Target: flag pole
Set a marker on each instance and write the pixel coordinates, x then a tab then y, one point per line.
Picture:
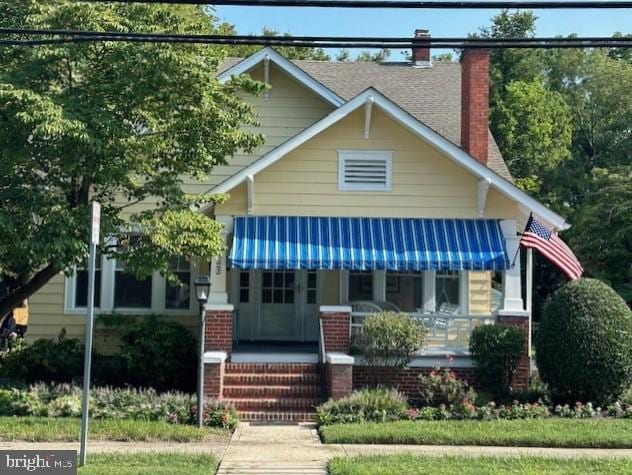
529	296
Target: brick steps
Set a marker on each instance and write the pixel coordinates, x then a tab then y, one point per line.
274	379
273	392
277	416
271	368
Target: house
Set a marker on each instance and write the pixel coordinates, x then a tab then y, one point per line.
379	186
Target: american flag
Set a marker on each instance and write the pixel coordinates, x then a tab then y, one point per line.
551	246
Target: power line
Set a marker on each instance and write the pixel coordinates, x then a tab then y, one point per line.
37	37
413	4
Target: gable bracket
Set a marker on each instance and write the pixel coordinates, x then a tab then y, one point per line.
368	107
266	77
250	181
483	188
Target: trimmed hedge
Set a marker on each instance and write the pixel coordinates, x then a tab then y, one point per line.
584	343
497	350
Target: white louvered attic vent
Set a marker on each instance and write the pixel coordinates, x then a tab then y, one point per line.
364	170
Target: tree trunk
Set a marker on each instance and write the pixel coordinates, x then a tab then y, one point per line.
22	292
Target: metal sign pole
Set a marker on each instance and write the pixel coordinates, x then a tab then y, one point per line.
95	214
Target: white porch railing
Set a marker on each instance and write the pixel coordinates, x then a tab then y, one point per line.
445	333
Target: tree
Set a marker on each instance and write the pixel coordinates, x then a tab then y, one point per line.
289	52
377	57
602	235
533	131
120	123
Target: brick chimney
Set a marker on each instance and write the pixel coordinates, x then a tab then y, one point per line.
421	54
475	103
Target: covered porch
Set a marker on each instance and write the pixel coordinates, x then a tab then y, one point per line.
280	272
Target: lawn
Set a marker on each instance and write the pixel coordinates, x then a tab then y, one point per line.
49	429
149	464
554	432
418	464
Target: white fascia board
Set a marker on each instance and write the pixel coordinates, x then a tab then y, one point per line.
415	126
288	67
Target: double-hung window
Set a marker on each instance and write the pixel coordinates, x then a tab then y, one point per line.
131	291
178	294
81	284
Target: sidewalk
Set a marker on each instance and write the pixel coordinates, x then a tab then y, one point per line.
297	450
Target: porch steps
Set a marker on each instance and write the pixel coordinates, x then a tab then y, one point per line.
273	392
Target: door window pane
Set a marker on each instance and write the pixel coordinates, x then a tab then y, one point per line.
360	286
244	287
278	287
447	290
311	287
178	295
405	290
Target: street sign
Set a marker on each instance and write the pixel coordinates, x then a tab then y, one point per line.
95	227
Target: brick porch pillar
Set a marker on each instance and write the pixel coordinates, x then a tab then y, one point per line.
339	374
218	335
336	320
521	320
214	362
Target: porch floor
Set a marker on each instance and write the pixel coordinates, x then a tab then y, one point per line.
274	352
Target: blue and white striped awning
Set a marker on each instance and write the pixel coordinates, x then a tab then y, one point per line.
395	244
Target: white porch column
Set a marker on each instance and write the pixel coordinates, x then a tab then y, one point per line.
379	285
217	272
512	301
429	290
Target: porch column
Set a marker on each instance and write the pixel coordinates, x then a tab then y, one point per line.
217	271
336	321
512	292
219	328
523	371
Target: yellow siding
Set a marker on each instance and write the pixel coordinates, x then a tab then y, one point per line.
425	183
499	206
480	293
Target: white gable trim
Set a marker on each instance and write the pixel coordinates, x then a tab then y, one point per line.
433	138
288	67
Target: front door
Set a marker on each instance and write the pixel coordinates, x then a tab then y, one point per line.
278	309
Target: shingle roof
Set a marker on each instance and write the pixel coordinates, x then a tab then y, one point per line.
431	95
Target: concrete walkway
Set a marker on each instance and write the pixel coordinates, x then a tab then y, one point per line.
216	447
296	449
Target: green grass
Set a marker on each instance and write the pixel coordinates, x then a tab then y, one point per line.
554	432
49	429
149	464
414	464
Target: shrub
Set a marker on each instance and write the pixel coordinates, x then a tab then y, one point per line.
442	387
390	339
536	392
64	400
584	343
45	360
366	405
497	349
467	410
578	411
155	353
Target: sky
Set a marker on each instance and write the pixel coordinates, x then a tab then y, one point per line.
386	22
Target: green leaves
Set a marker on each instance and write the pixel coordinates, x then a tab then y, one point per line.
122	123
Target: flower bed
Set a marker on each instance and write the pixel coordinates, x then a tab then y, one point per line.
64	400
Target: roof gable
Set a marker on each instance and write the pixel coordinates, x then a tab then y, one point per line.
413	125
285	65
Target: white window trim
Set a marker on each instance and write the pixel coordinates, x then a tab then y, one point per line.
108	274
369	155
